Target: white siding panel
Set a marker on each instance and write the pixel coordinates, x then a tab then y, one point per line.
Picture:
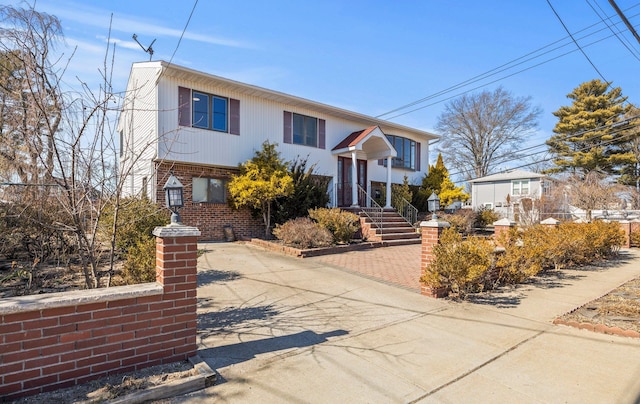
139	128
260	120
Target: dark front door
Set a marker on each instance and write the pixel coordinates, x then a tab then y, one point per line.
344	180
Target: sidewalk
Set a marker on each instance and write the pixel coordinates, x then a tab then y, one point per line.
280	329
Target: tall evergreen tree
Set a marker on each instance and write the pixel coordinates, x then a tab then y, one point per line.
585	138
437	180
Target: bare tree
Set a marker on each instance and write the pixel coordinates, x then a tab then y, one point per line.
52	137
592	191
483	130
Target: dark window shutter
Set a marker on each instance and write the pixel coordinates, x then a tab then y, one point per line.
321	133
234	116
381	162
417	156
288	130
184	106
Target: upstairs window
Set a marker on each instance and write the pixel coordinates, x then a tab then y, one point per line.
304	130
208	111
209	190
407	152
519	187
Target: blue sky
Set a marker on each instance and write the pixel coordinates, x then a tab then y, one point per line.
367	56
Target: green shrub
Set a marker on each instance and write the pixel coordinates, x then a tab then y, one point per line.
340	223
486	217
303	233
140	263
309	191
137	217
461	266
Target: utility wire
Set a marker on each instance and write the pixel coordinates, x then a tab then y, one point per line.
624	126
576	42
193	9
502	68
618	34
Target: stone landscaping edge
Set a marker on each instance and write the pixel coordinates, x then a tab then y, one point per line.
314	252
601	328
206	377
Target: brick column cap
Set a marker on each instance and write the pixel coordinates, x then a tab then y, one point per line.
504	222
176	230
434	223
550	221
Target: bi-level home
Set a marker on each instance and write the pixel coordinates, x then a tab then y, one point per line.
200	127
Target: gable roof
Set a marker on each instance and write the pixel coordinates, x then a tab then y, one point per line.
180	72
508	176
371	141
354	138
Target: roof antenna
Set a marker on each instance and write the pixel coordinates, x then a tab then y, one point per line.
148	50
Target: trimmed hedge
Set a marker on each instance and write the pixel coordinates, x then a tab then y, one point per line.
473	264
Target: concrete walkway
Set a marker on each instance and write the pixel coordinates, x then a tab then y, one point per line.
281	329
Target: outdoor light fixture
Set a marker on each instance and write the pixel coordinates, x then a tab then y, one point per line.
433	204
173	197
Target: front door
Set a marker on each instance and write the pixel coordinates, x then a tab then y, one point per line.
345	177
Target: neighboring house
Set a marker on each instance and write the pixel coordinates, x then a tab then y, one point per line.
511	194
200	127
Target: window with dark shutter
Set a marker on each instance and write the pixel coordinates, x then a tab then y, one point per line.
288	128
184	106
234	116
321	133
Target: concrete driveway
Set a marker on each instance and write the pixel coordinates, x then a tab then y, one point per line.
280	329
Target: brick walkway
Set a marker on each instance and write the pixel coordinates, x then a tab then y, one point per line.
398	265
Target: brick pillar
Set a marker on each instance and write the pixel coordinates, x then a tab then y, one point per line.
176	270
626	226
501	227
550	222
431	231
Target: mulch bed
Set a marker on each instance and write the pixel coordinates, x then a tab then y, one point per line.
617	312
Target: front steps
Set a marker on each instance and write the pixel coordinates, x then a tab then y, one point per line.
391	229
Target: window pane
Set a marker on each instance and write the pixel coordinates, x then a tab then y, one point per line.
311	131
524	188
220	114
200	110
407	153
199	190
216	190
413	156
298	129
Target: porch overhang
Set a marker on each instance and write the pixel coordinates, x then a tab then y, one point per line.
368	144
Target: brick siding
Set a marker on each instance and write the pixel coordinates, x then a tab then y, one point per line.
209	218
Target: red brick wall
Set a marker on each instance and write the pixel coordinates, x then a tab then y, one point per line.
118	329
431	232
209	218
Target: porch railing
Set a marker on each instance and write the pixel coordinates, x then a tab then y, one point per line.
370	207
408	211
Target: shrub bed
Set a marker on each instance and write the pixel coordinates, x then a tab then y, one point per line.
474	264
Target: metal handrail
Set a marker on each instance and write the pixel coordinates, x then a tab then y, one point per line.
371	208
407	211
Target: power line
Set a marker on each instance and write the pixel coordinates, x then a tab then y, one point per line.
193	9
624	126
576	42
504	67
624	42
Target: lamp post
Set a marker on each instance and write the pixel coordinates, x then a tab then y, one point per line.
173	197
433	204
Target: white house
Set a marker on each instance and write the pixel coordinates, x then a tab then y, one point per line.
509	194
200	127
